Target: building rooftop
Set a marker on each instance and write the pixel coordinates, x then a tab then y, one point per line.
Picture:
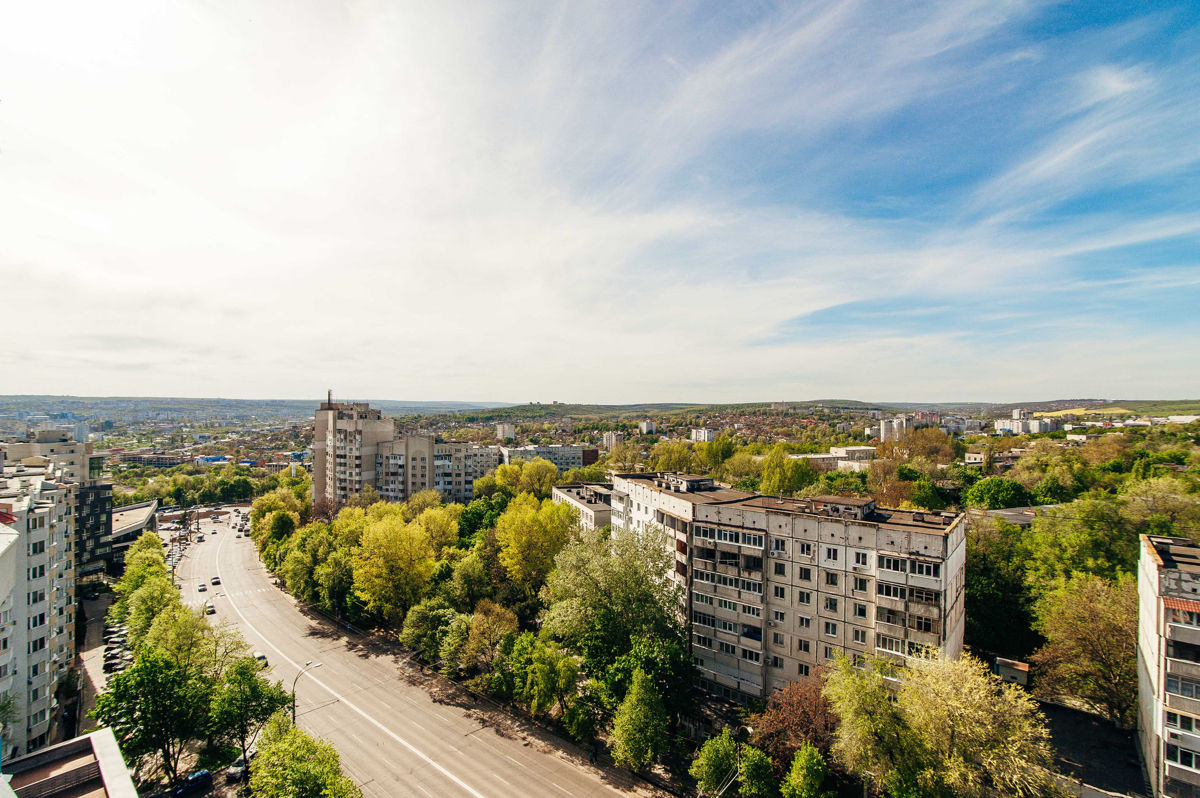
133	516
90	766
1174	553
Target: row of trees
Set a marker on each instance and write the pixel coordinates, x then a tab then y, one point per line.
193	683
506	593
190	485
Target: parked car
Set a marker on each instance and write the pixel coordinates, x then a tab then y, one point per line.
194	784
240	769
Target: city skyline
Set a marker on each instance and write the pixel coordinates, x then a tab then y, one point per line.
601	202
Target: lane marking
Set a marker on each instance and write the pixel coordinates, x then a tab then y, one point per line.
312	678
497	775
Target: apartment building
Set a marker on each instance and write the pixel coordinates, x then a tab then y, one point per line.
565	456
93	501
647	427
505	431
37	614
1169	664
593	502
612	440
703	435
346	437
413	463
777	587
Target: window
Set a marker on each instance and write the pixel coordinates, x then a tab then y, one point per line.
803	597
38	547
1181	685
860	610
779	615
776	662
804	549
889	590
1184	617
860	558
780	569
927	569
701	598
37	620
804	574
831	578
751	656
751	539
831	604
924	596
860	636
1183	756
803	622
894	617
779	545
703	618
831	553
802	669
1181	722
897	564
726	648
749	610
830	653
830	629
780	592
889	644
703	641
921	624
803	646
726	604
37	645
726	626
777	638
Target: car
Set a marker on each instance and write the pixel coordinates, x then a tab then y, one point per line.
261	658
202	587
199	538
209	609
238	535
216	580
240	769
194	784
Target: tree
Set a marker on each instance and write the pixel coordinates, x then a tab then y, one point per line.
639	731
365	497
715	763
392	566
672	456
155	707
156	596
292	764
999	605
995	493
953	729
1090	653
1089	536
783	476
244	701
796	716
185	637
807	776
624	457
531	534
757	780
425	625
489	625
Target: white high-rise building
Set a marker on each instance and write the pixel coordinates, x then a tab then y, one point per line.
703	435
613	439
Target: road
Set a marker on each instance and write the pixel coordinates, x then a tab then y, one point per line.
374	706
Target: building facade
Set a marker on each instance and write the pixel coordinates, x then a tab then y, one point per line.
612	440
346	437
778	587
703	435
1168	657
593	502
413	463
37	616
565	456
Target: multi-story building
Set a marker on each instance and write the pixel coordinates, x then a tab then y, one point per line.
413	463
76	462
506	431
1168	657
346	437
647	427
776	587
593	502
703	435
564	456
37	616
613	439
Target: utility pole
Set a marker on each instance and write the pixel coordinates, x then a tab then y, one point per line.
308	666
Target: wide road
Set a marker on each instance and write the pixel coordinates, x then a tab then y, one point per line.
375	707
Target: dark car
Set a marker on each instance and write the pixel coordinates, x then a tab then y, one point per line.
194	784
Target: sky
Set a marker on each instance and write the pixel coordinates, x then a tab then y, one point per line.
609	202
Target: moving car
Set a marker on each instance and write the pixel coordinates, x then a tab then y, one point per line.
261	657
216	580
202	587
209	609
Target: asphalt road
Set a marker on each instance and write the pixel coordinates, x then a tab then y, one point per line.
375	707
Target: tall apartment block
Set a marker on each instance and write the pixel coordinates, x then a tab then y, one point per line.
346	437
414	463
355	446
564	455
93	497
37	599
777	587
1169	664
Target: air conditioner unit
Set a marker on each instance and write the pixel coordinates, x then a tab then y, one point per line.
772	623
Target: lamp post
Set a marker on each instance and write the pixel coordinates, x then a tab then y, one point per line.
308	666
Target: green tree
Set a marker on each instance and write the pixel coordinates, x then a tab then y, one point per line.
639	731
995	493
531	534
999	607
1090	535
156	596
715	763
783	476
1090	653
155	707
392	566
807	776
244	701
292	764
672	456
757	780
426	625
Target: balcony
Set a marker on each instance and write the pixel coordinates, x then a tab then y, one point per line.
1178	632
1182	667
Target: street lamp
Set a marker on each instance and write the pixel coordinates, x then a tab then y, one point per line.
308	666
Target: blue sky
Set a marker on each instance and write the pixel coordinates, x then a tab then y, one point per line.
608	201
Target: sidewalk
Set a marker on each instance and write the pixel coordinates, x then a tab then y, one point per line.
90	660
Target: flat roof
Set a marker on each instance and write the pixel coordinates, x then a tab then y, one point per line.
133	516
1173	553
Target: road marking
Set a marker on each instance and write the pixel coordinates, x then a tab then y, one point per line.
506	781
564	789
345	701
